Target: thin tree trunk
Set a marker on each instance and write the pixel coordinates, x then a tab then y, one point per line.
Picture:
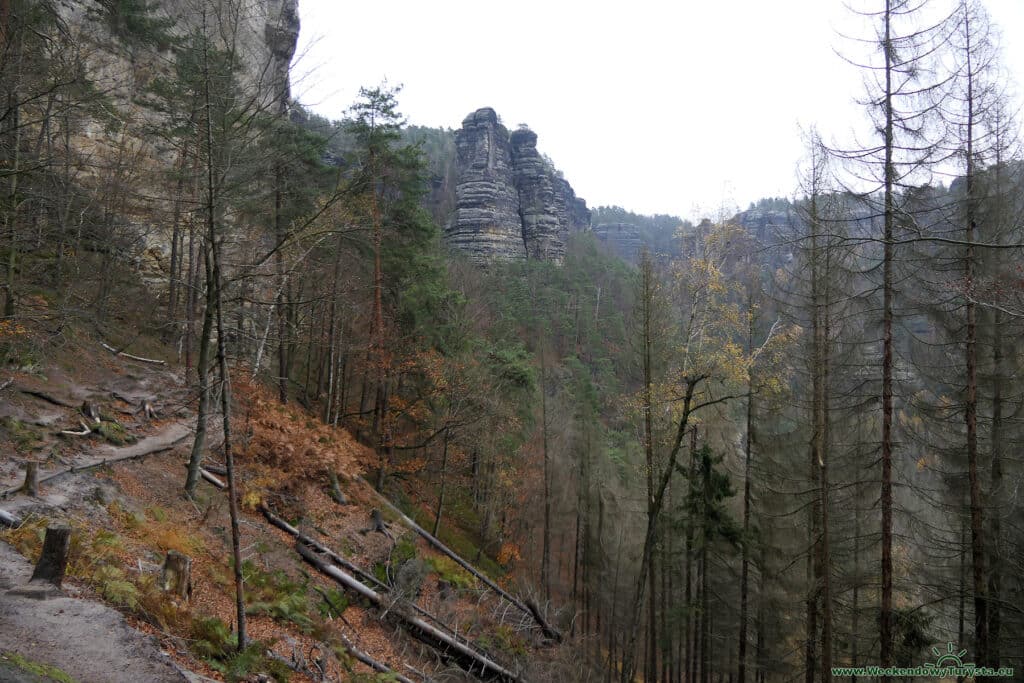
962	597
823	455
996	492
759	646
971	403
222	362
202	412
705	655
855	598
748	438
11	213
545	562
177	241
885	611
283	364
444	477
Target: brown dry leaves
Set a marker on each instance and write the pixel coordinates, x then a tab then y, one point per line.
289	439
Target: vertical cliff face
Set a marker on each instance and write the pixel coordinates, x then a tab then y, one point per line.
538	213
622	239
486	223
280	19
124	60
510	204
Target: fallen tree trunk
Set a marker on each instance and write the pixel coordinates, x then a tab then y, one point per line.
46	397
86	430
212	479
354	569
7	519
114	351
465	656
158	447
549	631
320	548
371	662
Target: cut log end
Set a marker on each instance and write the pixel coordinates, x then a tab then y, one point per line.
9	520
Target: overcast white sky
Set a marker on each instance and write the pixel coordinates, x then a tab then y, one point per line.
659	106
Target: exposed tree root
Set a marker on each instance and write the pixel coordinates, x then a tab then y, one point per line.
46	397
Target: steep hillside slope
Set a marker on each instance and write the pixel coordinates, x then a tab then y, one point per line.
117	482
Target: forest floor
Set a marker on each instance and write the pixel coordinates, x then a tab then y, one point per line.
112	620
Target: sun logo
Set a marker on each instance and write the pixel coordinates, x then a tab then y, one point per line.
950	659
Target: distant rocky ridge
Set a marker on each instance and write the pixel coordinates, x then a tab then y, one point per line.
510	203
622	239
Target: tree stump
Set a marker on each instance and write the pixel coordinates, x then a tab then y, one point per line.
31	485
336	492
377	525
146	408
176	575
54	560
91	412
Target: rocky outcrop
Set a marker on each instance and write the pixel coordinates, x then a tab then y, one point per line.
510	203
486	225
280	36
542	231
622	239
767	222
572	210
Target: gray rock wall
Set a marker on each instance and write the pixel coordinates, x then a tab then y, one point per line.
510	204
543	231
486	224
622	239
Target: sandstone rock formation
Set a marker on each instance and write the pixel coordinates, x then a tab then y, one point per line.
510	203
622	239
486	225
541	228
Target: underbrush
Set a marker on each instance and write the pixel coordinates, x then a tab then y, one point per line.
213	641
51	673
25	437
278	596
448	570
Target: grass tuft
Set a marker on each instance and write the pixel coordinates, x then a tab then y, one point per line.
36	668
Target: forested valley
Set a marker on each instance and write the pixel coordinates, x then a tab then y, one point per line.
764	445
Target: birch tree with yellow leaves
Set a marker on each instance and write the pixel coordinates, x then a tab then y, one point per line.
707	363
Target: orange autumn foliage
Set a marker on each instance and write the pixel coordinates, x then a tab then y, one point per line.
289	439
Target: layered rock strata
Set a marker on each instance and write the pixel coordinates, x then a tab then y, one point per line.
510	203
542	229
622	239
486	224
